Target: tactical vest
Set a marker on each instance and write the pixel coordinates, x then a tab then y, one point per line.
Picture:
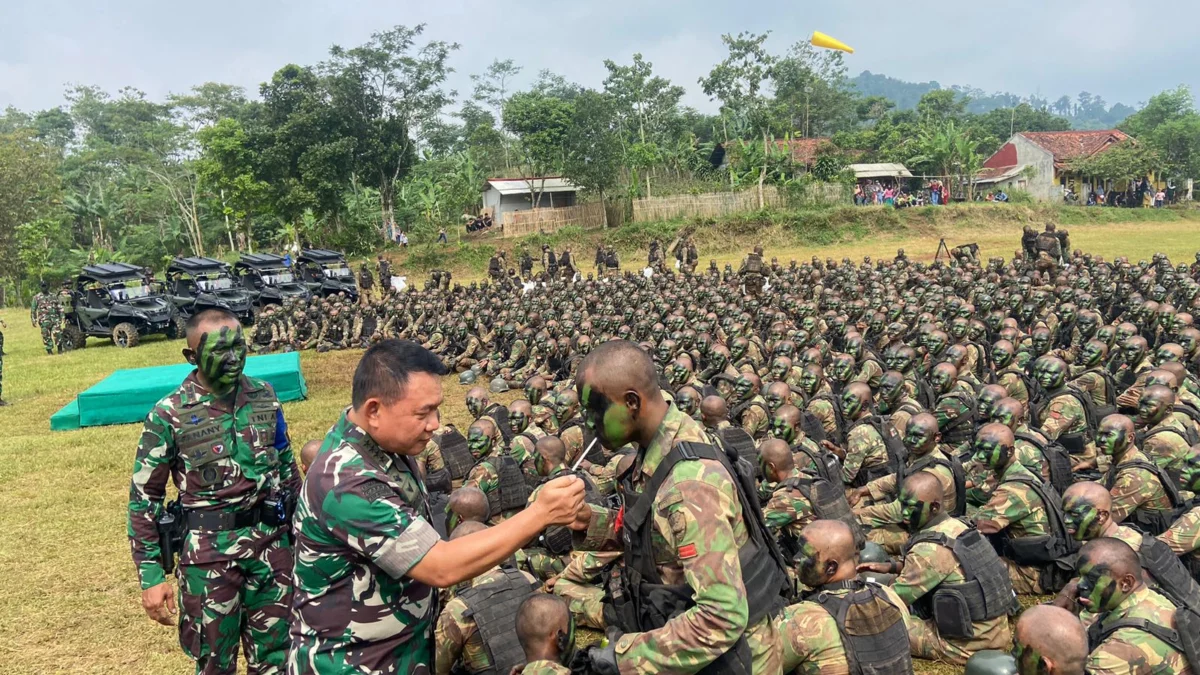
1169	573
754	264
611	261
897	454
455	453
1043	550
207	448
828	501
499	415
557	539
871	627
1056	458
840	431
641	602
596	454
1074	443
957	473
1184	638
986	594
736	439
827	464
1049	243
369	325
1148	521
512	492
740	409
961	429
1110	392
493	606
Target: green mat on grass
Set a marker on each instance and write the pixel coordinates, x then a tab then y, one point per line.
127	395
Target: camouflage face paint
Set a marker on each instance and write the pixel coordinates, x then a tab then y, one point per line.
610	421
1099	590
914	513
475	407
1147	410
1190	477
1082	519
743	388
1029	660
808	382
782	430
517	421
220	358
808	564
991	454
478	442
1110	440
533	395
850	404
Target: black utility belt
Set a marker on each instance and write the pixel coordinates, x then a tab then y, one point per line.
223	521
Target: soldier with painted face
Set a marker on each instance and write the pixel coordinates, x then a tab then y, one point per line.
1164	437
1008	374
956	406
367	559
1142	492
1016	516
945	556
1049	641
1184	534
1064	413
822	403
546	632
1111	586
750	409
813	631
895	402
222	440
866	452
692	525
496	473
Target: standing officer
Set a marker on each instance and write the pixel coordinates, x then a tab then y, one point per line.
221	438
692	526
367	557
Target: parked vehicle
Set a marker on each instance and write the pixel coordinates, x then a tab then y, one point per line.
326	273
196	284
268	279
117	301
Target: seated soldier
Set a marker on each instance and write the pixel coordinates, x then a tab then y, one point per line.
491	597
787	425
496	473
1142	493
546	631
308	453
549	553
813	631
714	413
1050	641
1111	586
943	558
1184	535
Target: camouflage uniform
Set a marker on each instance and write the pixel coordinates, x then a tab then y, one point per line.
788	510
578	585
927	565
812	643
1130	650
864	450
1095	384
456	637
754	419
883	516
1167	448
1010	378
45	312
544	667
1064	415
1135	488
485	476
698	529
1018	509
362	522
1184	538
234	584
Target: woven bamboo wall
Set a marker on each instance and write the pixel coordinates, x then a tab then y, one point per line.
521	223
710	205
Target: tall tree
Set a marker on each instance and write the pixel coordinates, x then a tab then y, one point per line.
540	123
592	156
647	107
29	189
739	82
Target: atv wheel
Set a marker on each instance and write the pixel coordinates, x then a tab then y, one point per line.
125	335
176	329
75	338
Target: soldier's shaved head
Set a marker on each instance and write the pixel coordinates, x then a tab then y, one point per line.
789	413
925	486
467	527
618	388
485	425
540	618
1093	493
619	365
552	450
470	503
713	410
478	393
1010	410
308	453
775	456
522	406
1114	553
1057	637
836	556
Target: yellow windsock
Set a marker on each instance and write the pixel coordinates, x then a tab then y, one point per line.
820	39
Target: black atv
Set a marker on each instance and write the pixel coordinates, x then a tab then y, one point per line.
197	284
267	278
116	300
326	273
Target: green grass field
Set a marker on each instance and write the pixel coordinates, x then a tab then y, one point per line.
69	599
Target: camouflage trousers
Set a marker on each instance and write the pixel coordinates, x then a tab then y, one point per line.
544	565
766	646
585	601
924	642
246	600
48	330
891	537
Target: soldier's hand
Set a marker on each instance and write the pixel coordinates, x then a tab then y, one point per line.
855	496
560	500
829	445
159	603
878	568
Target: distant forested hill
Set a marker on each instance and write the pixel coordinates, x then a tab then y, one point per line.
1085	111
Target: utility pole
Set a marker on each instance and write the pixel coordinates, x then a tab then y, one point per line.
808	90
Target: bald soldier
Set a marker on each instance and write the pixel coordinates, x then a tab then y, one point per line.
1110	585
546	631
714	413
944	556
467	505
691	526
1142	492
789	509
813	639
1184	535
1050	641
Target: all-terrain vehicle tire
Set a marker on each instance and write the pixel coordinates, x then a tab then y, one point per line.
75	338
177	328
125	335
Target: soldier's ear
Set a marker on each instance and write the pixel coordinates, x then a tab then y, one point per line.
189	356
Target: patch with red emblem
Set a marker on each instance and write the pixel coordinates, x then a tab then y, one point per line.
688	551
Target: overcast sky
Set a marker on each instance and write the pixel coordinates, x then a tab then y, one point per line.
1120	50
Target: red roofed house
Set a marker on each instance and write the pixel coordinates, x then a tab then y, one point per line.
1048	153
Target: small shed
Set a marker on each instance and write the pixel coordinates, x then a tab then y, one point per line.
893	170
505	195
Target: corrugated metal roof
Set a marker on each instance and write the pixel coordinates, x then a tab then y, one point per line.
998	174
516	186
885	170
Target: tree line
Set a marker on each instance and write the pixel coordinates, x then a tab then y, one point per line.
332	153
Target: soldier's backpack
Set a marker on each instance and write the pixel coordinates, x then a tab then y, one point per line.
962	428
1056	457
1150	521
897	454
839	432
1074	443
1169	573
1053	552
493	606
828	502
754	263
828	466
735	414
958	474
1184	638
499	415
735	439
557	539
871	627
512	492
987	592
455	453
925	395
611	261
1110	392
1192	414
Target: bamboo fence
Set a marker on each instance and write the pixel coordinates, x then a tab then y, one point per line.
521	223
710	205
